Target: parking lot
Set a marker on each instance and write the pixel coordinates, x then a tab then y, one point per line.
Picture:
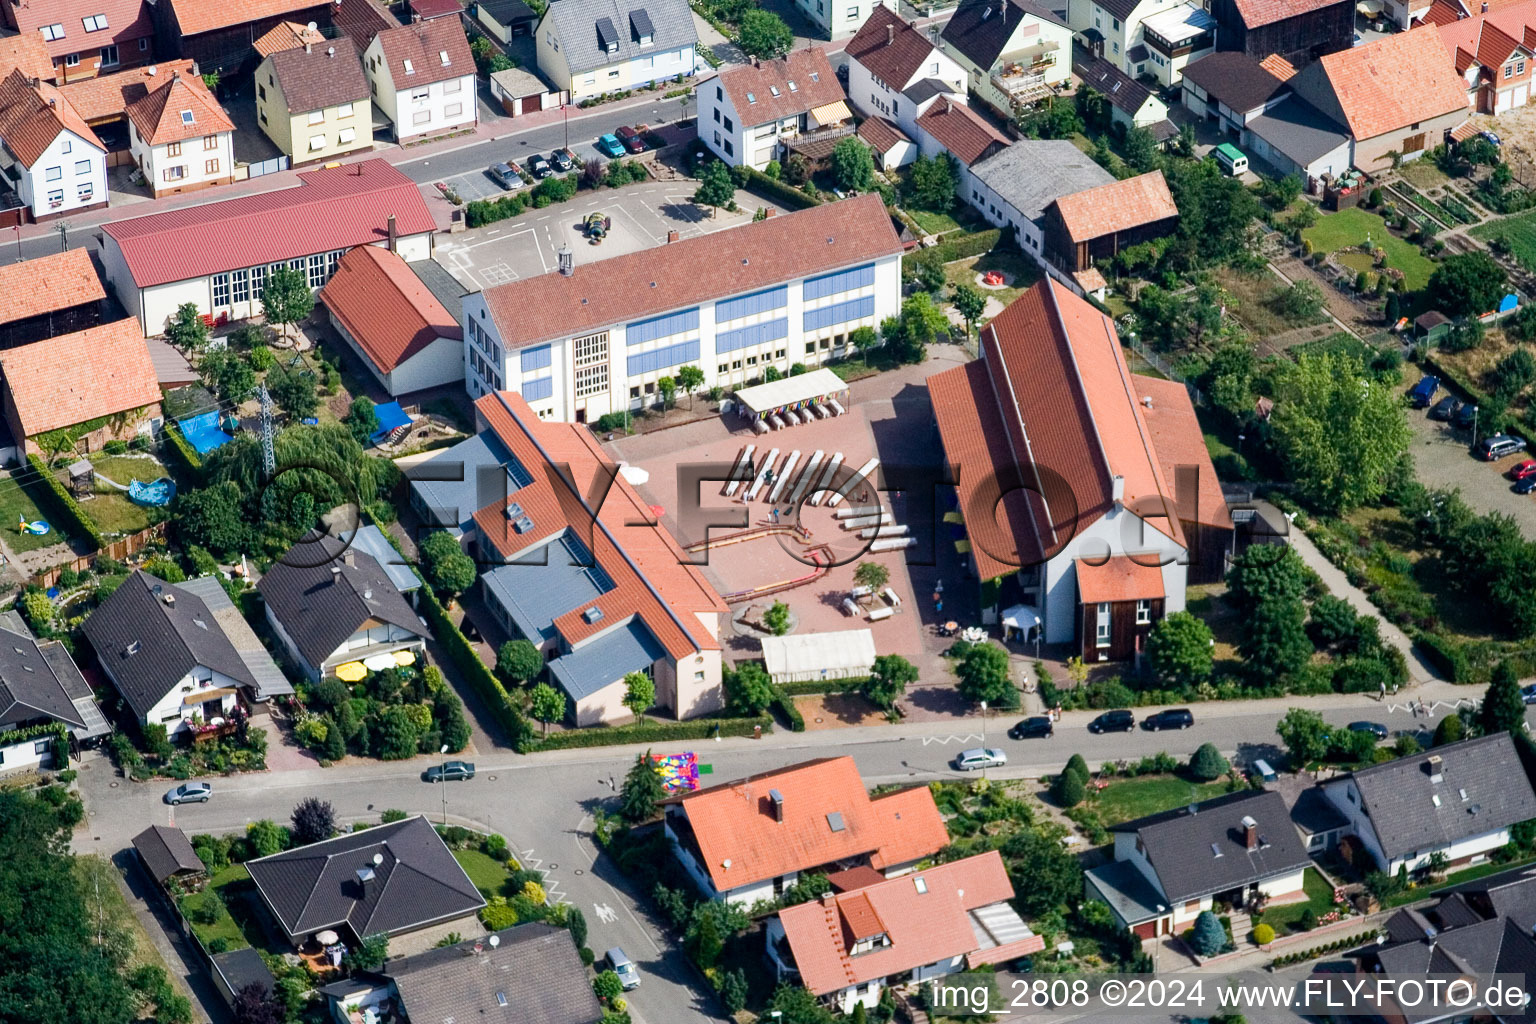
526	246
1442	459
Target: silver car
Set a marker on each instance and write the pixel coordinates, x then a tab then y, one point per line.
190	793
624	967
980	757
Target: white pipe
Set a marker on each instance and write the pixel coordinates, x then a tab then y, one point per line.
762	477
826	479
893	544
854	482
738	471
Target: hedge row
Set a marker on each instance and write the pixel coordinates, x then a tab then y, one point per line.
960	247
784	705
61	505
1358	939
502	707
780	192
183	454
649	731
816	687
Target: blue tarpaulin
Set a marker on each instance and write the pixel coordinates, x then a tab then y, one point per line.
1509	302
203	432
391	418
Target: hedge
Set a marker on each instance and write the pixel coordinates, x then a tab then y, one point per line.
1358	939
784	704
960	247
183	454
778	191
507	714
60	504
816	687
648	731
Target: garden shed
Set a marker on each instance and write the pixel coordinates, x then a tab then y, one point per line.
1432	326
808	657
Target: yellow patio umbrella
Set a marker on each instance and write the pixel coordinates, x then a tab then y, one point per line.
351	672
404	658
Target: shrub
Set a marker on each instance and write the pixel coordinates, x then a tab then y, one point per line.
1209	938
1068	789
1263	934
1208	763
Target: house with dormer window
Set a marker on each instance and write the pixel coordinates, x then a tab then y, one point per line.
756	112
591	47
897	71
423	77
180	137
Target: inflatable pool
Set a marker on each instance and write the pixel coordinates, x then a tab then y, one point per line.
37	527
160	492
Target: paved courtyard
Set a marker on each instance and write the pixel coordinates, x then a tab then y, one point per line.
1441	459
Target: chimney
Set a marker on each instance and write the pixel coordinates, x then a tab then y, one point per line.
170	599
347	558
1146	400
1485	6
672	236
308	48
769	211
394	236
150	71
330	51
778	805
890	34
1117	489
1250	833
53	103
415	18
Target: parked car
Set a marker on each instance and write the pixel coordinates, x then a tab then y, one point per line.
624	967
1030	727
1422	393
1528	693
609	145
1113	721
1497	446
1492	138
1374	728
1173	718
1525	485
1522	469
539	167
1445	409
632	139
190	793
562	159
1464	417
979	757
506	176
449	771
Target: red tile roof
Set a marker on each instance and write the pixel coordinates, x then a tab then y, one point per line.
47	284
423	44
881	134
1256	13
1491	39
1179	441
925	925
653	281
769	85
27	52
127	21
197	16
160	115
32	116
739	842
334	208
967	135
1394	82
287	35
1118	579
385	307
107	97
66	380
429	9
892	50
1279	67
1117	206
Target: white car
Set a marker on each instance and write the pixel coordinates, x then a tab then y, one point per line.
190	793
980	757
624	967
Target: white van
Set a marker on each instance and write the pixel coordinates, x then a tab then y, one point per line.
1231	159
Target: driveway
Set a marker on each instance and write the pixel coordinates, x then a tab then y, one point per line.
1441	458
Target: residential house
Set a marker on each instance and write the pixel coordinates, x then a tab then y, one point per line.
1398	95
313	102
850	945
393	879
85	39
578	346
218	254
531	974
387	315
28	53
891	147
329	603
751	113
103	102
55	161
1172	866
1012	187
1305	29
755	837
422	76
1494	55
1443	12
426	10
270	681
288	35
166	853
1131	104
887	58
181	138
64	382
1257	109
1171	40
834	20
1014	52
1457	800
1085	227
1093	544
1117	31
42	690
168	655
52	295
505	19
946	125
603	591
591	47
222	36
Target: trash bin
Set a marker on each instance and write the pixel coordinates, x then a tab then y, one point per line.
757	732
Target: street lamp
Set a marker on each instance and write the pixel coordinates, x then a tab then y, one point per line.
442	784
983	739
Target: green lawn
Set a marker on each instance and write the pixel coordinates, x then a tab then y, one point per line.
933	223
1519	232
1319	898
1338	344
16	503
226	883
1021	270
110	508
1135	798
488	874
1455	878
1340	230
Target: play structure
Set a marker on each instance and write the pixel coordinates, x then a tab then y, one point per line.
157	493
677	771
37	527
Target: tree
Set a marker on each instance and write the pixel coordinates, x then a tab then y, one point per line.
970	304
1053	873
795	1004
764	34
266	837
1068	790
666	387
397	735
748	689
227	374
1503	708
576	922
776	618
1339	431
1450	730
1208	763
1210	937
607	986
852	167
716	189
547	704
370	954
690	378
1140	150
872	575
639	693
921	322
255	1004
212	517
1266	573
733	991
1467	284
450	571
293	389
931	182
1301	302
518	661
286	298
984	676
361	419
1513	374
1274	640
642	790
1305	736
890	678
314	820
862	339
1332	621
1179	649
185	328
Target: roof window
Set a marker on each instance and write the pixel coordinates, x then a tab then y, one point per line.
592	615
775	90
442	55
815	76
792	86
186	117
835	821
95	23
751	97
52	32
410	69
921	883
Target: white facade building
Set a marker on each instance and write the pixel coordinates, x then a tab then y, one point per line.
47	150
839	18
748	113
895	70
422	76
181	138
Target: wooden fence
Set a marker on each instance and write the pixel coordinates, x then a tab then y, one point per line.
118	550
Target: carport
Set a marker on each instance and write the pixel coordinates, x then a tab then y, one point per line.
815	388
808	657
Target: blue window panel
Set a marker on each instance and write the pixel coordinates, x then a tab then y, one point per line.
535	358
841	281
757	302
659	359
641	331
533	390
756	334
839	313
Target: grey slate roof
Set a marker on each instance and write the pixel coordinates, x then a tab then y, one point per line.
319	608
369	539
980	29
270	681
166	852
1299	130
576	26
927	88
453	502
1122	91
1497	946
1183	848
534	968
242	967
29	688
416	882
610	657
556	579
1400	795
1033	173
147	645
507	12
1121	9
1127	891
1313	813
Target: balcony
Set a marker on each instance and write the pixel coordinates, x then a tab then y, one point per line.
1022	85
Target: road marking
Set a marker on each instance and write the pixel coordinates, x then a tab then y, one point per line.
552	891
591	855
952	738
1459	702
605	913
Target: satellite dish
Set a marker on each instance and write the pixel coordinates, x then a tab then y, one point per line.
495	941
378	859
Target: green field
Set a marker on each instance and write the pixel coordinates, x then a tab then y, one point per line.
1338	344
1335	231
110	508
1135	798
1518	232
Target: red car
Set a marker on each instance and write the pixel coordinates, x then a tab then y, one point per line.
631	139
1521	470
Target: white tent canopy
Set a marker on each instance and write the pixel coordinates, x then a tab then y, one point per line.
811	656
762	399
1021	616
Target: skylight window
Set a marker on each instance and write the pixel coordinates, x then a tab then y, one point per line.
775	90
815	76
751	97
442	55
52	32
410	69
95	23
1436	799
792	86
921	883
186	117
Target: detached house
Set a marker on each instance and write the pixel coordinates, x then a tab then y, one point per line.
41	686
1131	103
752	113
85	39
751	839
1495	55
1458	800
1144	37
895	70
180	137
836	20
591	47
55	161
1014	52
422	76
312	101
946	125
